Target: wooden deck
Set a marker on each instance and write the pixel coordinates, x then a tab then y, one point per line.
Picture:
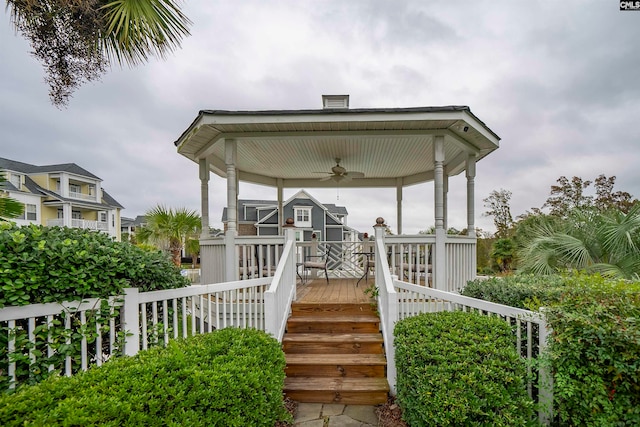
338	290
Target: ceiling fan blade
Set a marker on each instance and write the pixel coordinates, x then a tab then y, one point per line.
352	174
326	178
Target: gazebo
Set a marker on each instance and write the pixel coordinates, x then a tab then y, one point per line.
386	147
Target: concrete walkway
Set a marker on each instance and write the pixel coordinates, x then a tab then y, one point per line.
335	415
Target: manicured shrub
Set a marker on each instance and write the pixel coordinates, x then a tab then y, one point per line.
231	377
521	291
457	368
595	352
53	264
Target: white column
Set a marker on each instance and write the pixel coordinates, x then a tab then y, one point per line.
471	174
399	204
231	264
98	192
280	209
66	214
204	196
64	185
445	201
230	157
440	262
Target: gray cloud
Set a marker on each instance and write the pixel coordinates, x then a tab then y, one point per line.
556	80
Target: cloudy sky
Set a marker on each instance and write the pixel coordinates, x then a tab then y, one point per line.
559	82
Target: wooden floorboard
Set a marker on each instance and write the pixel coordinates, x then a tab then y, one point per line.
339	290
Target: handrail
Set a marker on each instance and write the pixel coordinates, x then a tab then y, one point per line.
388	307
280	294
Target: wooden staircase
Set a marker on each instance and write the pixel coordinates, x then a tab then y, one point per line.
335	354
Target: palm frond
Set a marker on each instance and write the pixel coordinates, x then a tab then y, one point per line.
137	29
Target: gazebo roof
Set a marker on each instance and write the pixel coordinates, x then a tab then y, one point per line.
300	147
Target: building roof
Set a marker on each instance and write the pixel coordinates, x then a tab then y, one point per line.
253	215
376	147
30	184
26	168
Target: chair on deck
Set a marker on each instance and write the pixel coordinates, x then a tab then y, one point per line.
320	264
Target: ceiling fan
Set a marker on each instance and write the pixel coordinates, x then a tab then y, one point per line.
338	173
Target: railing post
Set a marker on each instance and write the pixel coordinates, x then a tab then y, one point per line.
131	322
231	266
290	235
314	252
545	379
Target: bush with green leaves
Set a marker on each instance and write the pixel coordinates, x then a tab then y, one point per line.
53	264
521	291
231	377
595	352
457	368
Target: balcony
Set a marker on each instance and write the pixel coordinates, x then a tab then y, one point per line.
82	196
80	223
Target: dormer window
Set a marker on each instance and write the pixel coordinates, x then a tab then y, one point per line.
16	180
303	216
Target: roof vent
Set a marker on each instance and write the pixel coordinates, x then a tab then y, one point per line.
335	101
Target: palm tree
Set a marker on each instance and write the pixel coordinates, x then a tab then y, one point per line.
597	242
170	229
76	41
9	208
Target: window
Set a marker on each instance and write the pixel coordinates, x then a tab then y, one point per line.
15	180
75	189
31	212
303	217
92	190
103	217
299	236
76	215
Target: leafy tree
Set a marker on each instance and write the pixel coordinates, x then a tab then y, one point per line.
78	40
498	207
9	208
570	194
170	229
607	199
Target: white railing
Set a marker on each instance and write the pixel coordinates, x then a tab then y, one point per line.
387	308
32	330
530	327
80	223
178	313
461	261
255	257
82	196
139	320
282	292
411	257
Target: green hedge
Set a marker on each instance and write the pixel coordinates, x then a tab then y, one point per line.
594	350
521	291
53	264
231	377
457	368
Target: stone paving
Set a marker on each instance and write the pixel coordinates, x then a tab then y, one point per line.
335	415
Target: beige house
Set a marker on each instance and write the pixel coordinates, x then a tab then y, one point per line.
61	195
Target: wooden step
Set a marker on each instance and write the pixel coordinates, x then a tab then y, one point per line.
336	365
362	323
331	309
333	343
351	391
